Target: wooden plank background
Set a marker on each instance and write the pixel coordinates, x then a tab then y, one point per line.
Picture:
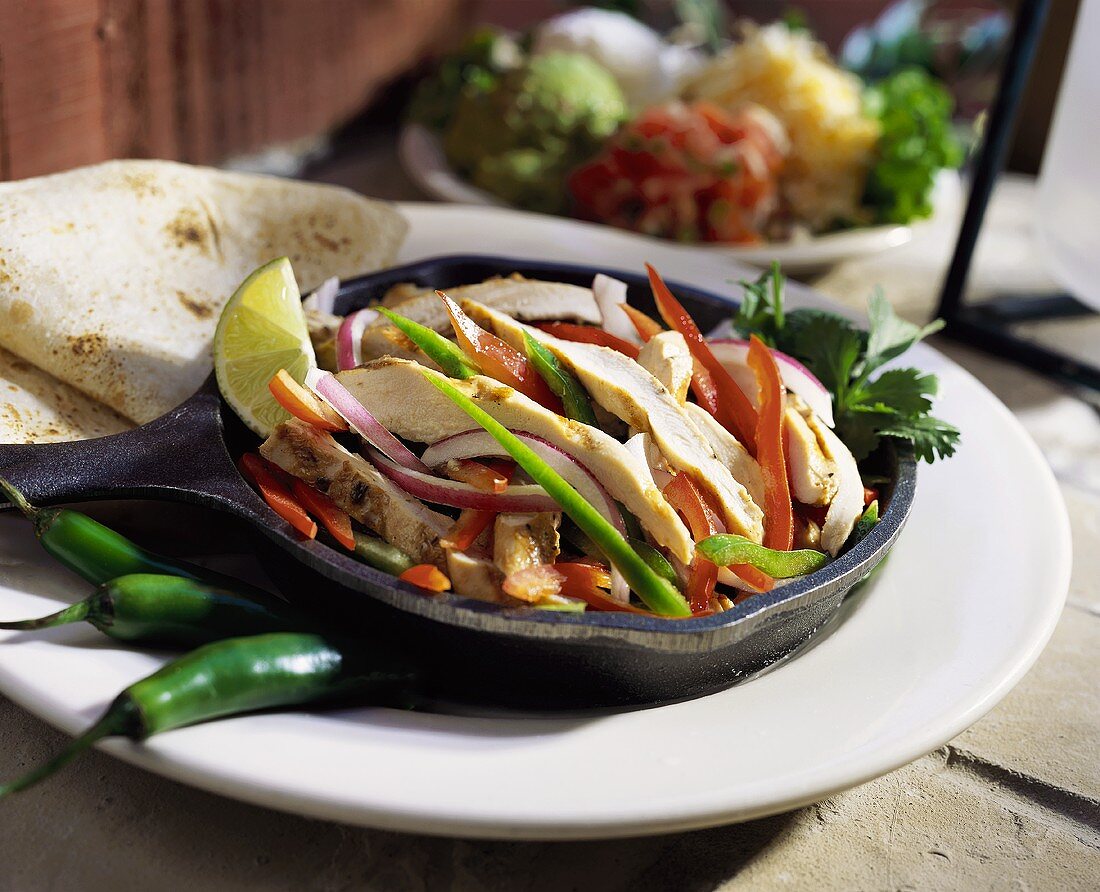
196	80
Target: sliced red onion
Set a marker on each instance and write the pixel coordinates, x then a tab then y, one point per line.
349	339
360	420
610	294
481	444
733	354
442	491
323	297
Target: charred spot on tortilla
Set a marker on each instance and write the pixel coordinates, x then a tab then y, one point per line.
143	185
189	228
358	493
20	312
89	344
197	308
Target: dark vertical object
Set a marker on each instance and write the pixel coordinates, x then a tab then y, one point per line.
987	326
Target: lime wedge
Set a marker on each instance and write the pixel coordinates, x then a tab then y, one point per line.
261	330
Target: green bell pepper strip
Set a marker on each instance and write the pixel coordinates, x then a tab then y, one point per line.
656	592
865	524
725	549
445	354
147	608
658	563
381	555
235	676
575	399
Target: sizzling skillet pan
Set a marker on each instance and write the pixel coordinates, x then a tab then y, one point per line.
474	651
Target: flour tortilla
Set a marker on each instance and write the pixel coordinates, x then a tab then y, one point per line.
112	276
37	408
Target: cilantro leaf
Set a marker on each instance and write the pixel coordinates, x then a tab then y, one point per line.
905	390
930	436
761	310
896	403
890	334
828	344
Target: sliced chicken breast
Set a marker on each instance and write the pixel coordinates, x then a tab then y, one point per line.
846	506
397	394
813	473
477	577
667	358
729	451
623	387
358	488
525	540
527	299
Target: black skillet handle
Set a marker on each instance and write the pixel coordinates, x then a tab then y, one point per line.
180	456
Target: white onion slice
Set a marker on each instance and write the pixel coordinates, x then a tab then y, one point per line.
323	297
443	491
349	338
360	420
610	294
733	354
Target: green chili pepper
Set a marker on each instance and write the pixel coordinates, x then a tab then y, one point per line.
99	554
170	610
575	399
381	555
235	676
725	549
656	592
445	354
865	524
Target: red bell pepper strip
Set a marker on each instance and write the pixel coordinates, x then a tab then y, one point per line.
778	511
589	334
498	359
471	523
475	473
426	576
733	408
586	581
702	385
324	509
302	404
646	326
870	494
278	497
703	520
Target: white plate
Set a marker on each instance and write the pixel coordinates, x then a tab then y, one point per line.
422	158
960	611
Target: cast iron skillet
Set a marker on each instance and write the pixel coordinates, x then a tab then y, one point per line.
479	652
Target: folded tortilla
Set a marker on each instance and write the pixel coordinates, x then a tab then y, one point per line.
112	276
37	408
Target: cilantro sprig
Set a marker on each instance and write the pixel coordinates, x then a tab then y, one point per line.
866	407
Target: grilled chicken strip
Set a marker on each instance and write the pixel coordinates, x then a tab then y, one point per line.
729	451
523	298
397	394
476	577
358	488
624	388
846	506
525	540
812	472
667	358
